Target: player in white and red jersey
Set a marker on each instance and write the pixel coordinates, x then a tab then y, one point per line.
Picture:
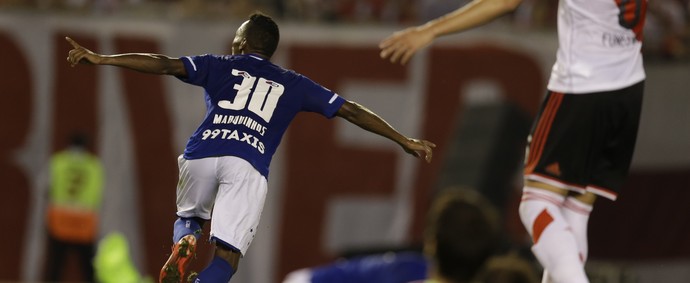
583	139
223	172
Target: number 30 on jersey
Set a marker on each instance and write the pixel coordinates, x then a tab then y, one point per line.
264	96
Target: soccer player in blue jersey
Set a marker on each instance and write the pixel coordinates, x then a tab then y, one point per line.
224	168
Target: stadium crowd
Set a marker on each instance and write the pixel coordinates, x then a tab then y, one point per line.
667	34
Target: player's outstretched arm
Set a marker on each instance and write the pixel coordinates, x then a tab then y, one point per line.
142	62
365	119
401	45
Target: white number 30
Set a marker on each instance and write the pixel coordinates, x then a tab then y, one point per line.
264	96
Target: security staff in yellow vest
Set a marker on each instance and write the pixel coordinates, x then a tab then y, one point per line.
75	194
113	263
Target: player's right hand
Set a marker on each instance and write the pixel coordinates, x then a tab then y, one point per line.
81	55
400	46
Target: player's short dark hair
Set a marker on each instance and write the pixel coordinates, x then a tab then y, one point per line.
464	227
262	34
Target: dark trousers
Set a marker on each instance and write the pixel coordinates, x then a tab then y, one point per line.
58	251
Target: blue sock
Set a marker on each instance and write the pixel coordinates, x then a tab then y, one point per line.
219	271
186	226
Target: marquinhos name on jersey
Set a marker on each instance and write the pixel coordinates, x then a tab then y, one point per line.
240	120
231	134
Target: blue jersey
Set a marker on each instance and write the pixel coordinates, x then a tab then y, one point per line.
381	268
249	104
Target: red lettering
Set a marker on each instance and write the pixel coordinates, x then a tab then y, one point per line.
75	101
76	95
154	155
319	169
16	109
450	68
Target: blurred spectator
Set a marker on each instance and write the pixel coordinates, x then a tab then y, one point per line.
113	263
508	268
434	8
374	11
309	10
667	31
536	14
462	233
74	200
348	11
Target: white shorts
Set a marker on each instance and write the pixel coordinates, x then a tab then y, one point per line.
229	191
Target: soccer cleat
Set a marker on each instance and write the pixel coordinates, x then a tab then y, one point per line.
182	253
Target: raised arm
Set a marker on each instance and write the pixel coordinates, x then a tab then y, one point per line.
142	62
365	119
401	45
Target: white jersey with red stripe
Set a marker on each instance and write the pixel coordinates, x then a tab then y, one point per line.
600	45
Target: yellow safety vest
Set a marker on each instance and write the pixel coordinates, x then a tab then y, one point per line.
75	196
113	263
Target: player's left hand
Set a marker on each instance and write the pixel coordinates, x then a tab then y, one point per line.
420	148
400	46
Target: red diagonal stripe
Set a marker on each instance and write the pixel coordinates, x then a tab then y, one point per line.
543	220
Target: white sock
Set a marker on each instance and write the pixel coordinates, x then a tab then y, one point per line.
545	277
576	213
555	245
